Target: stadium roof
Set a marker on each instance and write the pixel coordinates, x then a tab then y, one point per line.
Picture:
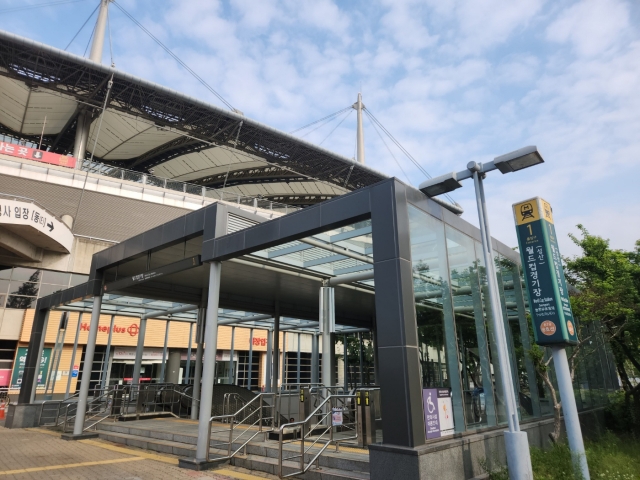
151	128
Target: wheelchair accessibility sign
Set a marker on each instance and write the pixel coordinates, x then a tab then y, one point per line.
438	412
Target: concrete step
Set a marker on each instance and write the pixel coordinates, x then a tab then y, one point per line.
260	456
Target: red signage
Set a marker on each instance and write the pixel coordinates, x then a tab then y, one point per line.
132	329
259	341
22	151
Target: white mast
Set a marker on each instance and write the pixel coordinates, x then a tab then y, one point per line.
360	131
84	119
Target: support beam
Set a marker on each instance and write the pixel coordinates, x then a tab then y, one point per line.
276	349
351	277
209	367
269	359
250	365
327	327
197	373
315	358
88	365
163	368
105	361
232	370
185	379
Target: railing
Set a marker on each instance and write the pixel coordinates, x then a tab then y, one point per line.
118	173
4	396
335	421
151	399
289	392
231	403
252	416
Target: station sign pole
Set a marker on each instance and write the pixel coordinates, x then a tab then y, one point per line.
553	322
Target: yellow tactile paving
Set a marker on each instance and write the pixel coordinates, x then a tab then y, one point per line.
69	465
129	451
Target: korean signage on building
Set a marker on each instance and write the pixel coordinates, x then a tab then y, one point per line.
22	213
553	322
34	154
18	369
438	412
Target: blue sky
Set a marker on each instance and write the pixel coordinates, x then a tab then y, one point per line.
453	80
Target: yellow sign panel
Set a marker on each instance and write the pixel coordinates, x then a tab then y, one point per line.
532	210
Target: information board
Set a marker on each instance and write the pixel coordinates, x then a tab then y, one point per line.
553	322
18	369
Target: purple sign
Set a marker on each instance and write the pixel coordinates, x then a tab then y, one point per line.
431	418
438	412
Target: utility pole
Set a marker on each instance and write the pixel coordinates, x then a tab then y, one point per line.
360	131
84	118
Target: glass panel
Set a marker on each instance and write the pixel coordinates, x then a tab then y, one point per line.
4	286
58	278
21	302
24	288
5	273
436	332
25	274
475	362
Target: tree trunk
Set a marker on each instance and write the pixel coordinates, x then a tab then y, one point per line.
557	407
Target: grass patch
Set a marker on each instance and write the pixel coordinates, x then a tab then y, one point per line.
611	458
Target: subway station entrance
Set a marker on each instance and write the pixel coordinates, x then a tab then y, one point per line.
382	270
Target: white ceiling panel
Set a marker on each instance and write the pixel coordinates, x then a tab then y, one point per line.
284	188
58	111
122	136
13	102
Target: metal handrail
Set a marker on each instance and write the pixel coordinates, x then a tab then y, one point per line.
302	424
231	418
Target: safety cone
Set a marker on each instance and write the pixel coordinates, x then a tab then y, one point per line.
2	406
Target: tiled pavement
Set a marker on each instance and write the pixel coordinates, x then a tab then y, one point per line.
40	454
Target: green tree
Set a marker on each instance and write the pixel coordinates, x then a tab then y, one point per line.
607	293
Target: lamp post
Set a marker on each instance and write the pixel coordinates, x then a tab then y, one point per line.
516	442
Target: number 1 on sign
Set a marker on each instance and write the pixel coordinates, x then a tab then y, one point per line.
530	230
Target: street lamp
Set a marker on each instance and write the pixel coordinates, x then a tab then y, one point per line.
516	442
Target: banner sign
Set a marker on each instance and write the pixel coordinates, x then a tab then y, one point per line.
18	369
34	154
438	412
553	322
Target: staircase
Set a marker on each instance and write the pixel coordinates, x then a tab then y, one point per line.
167	436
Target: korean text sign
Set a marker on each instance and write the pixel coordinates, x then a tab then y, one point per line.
553	322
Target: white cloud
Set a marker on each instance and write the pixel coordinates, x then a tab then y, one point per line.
591	26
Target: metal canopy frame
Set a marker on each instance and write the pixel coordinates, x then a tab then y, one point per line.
44	67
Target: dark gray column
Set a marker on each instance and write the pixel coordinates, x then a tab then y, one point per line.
360	355
298	362
209	367
345	362
197	372
283	378
88	364
397	334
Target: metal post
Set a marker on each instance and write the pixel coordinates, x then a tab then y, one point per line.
276	350
209	367
516	442
327	325
73	356
197	374
88	365
98	36
232	376
376	366
269	365
57	353
284	359
360	130
360	354
40	349
185	380
137	365
345	362
315	358
299	361
105	363
163	368
570	412
250	367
